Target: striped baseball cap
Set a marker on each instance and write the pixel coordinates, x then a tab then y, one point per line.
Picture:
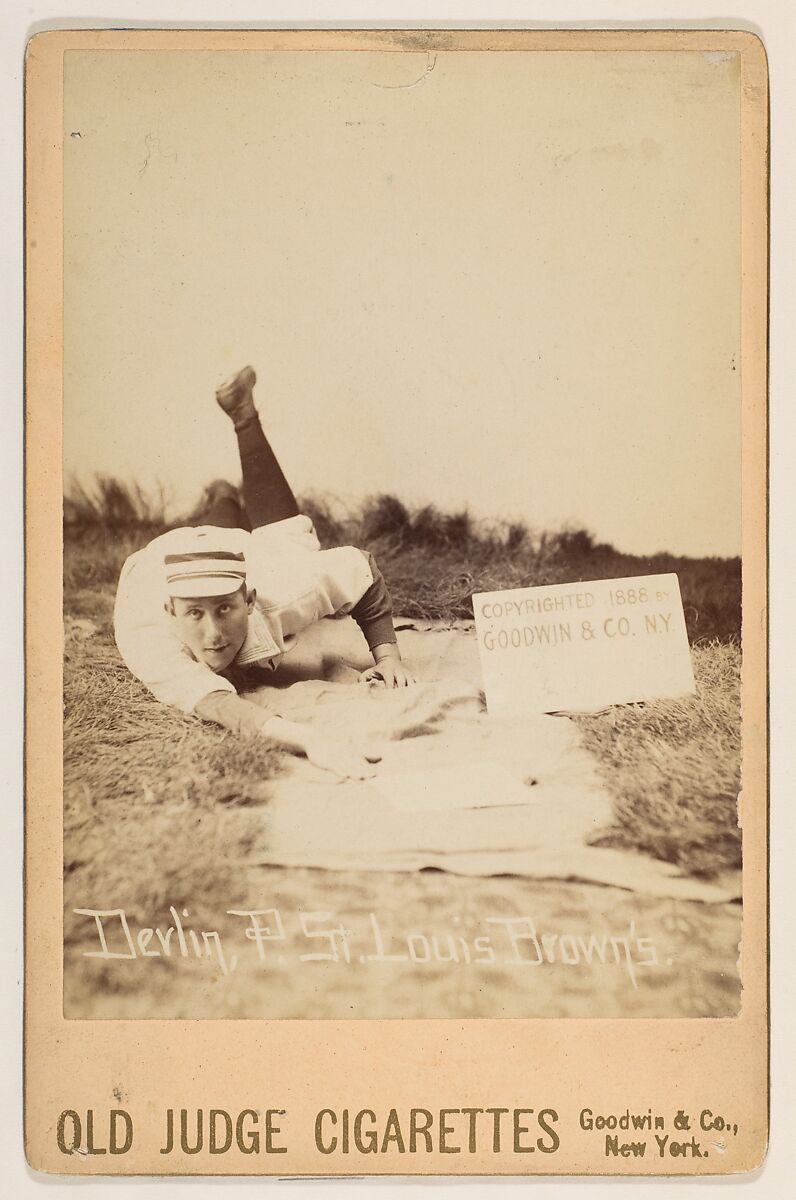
205	561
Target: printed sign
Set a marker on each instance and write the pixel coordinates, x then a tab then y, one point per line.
582	646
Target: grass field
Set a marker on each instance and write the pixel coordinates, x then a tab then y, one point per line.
671	766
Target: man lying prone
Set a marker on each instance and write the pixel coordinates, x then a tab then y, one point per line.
205	610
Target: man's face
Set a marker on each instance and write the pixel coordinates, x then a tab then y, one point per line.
213	627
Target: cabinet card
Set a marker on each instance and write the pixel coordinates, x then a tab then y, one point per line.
334	340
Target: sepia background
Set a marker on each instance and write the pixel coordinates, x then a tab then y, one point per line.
518	292
494	305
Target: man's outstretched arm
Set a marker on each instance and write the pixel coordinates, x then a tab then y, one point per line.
242	717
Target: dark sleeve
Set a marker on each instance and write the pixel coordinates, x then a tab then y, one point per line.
373	613
233	712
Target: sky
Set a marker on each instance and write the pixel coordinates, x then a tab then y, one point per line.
507	282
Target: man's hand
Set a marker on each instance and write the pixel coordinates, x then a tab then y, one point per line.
342	761
388	671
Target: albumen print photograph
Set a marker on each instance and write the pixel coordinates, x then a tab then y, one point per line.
402	533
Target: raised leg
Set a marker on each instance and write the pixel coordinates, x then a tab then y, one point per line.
267	494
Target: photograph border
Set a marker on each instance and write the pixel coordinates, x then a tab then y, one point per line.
69	1063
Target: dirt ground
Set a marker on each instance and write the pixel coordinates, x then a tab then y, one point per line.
436	945
161	812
